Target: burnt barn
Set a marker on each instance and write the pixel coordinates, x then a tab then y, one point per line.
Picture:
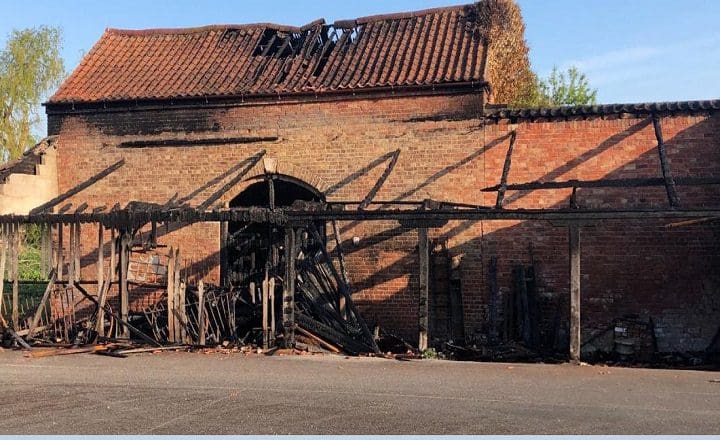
341	185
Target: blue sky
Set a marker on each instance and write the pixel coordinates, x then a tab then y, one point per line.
631	50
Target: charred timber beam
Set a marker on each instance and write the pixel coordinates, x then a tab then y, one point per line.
664	165
505	172
499	214
125	243
196	142
279	216
424	273
249	164
381	181
607	183
66	195
42	305
108	310
575	276
288	299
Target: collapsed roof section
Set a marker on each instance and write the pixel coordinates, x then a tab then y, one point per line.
424	48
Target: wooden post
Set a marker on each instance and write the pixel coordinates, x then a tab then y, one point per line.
78	268
271	299
122	278
100	259
176	295
265	292
288	306
201	312
15	275
41	306
43	251
59	259
224	252
574	241
71	257
181	313
4	241
343	268
100	321
424	251
171	295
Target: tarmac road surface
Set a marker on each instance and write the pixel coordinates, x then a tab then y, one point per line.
193	393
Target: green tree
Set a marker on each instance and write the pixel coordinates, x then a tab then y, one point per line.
30	67
569	87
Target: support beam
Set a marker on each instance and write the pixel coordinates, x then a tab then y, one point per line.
125	240
424	259
664	165
99	323
71	255
201	313
15	276
4	245
381	181
66	195
265	297
224	281
574	244
288	303
78	267
125	324
41	306
343	268
176	296
59	259
182	313
171	295
505	172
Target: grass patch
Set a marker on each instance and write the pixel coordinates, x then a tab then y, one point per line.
26	289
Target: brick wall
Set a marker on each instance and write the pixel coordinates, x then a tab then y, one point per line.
342	148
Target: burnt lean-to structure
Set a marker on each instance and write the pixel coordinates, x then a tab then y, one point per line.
326	180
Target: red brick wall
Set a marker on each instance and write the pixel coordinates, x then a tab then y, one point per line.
628	267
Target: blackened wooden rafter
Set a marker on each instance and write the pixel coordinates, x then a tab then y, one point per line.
506	171
664	165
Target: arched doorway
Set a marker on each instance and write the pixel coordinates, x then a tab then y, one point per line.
251	249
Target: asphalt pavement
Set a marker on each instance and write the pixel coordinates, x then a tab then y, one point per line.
194	393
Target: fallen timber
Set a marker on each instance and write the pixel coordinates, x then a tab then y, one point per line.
317	310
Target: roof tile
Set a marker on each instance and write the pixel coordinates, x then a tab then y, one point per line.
406	49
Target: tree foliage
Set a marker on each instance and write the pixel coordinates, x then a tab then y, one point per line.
569	87
507	65
30	66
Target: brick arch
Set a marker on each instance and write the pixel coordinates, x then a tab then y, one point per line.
288	169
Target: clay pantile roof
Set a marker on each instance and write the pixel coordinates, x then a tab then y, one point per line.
710	105
429	47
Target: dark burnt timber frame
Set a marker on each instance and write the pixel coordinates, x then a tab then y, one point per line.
664	165
279	216
420	214
506	170
574	224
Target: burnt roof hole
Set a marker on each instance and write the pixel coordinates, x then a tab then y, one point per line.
274	43
355	34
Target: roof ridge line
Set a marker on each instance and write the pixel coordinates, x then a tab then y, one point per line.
283	27
408	14
212	27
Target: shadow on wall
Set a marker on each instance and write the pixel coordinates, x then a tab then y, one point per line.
635	268
639	268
